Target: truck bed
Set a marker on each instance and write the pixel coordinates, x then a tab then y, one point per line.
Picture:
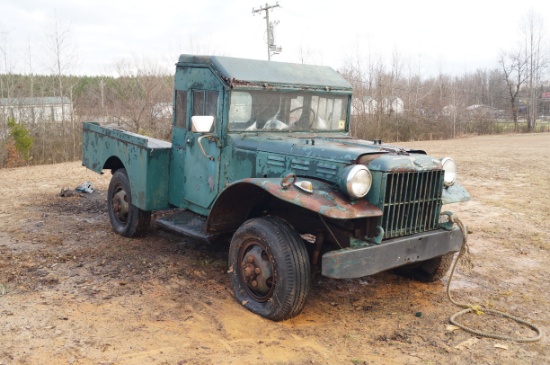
146	160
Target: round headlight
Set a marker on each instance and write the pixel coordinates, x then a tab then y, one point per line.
449	167
356	181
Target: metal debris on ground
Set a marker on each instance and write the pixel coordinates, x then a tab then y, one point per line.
85	187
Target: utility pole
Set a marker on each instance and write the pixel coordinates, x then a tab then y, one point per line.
271	47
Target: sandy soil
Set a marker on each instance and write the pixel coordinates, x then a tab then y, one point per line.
73	292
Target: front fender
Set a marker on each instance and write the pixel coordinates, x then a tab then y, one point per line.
236	201
454	194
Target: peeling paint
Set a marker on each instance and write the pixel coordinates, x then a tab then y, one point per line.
325	200
230	175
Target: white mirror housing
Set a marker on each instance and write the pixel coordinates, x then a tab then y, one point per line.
201	123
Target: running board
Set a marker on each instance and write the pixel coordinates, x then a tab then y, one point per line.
188	224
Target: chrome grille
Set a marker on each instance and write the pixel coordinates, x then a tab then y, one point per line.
412	202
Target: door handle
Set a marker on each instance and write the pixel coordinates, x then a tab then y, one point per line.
199	142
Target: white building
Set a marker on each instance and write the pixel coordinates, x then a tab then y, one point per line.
481	110
32	110
393	105
365	106
448	110
162	110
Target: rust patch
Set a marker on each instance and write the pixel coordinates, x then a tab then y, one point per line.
324	200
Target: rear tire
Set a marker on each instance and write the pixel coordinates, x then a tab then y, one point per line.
428	271
126	219
269	268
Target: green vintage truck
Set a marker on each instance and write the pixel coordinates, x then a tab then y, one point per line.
261	157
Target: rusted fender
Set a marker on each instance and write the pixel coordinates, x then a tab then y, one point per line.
233	205
325	199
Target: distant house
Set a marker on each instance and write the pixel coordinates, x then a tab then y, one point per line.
448	110
162	110
32	110
393	105
366	105
482	110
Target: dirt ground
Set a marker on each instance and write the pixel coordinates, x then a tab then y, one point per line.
73	292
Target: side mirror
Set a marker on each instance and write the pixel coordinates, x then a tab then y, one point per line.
201	123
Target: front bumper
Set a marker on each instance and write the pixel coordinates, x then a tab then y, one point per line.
352	263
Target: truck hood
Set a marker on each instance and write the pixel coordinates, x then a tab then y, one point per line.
338	149
323	158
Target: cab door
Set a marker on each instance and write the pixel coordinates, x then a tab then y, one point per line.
203	150
177	158
195	160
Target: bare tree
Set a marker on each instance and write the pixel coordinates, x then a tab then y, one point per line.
456	96
198	45
373	92
309	55
498	90
63	57
141	97
392	85
536	59
514	69
7	83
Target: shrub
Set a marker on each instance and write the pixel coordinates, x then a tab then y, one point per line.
19	143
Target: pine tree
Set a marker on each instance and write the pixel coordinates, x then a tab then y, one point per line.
22	141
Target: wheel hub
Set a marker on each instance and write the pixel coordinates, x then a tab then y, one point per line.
120	205
257	271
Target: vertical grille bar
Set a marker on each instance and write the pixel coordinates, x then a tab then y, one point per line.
391	203
407	198
412	202
425	218
398	224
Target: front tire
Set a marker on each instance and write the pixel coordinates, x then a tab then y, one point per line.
428	271
126	219
269	268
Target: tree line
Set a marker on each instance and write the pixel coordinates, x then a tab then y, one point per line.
138	102
392	104
393	99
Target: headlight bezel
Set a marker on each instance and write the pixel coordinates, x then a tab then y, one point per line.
349	181
449	171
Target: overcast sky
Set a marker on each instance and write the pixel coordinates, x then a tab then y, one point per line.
454	37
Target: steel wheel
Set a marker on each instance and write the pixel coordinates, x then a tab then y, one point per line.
126	219
121	206
269	268
257	270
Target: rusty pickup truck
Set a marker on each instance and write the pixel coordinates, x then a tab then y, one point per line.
261	157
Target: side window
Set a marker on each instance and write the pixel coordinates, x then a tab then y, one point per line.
198	102
206	103
181	108
240	110
211	103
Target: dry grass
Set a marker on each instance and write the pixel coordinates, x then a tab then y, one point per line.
72	291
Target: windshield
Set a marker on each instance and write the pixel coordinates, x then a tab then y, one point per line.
270	111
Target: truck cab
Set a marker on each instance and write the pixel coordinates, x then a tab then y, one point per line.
261	155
